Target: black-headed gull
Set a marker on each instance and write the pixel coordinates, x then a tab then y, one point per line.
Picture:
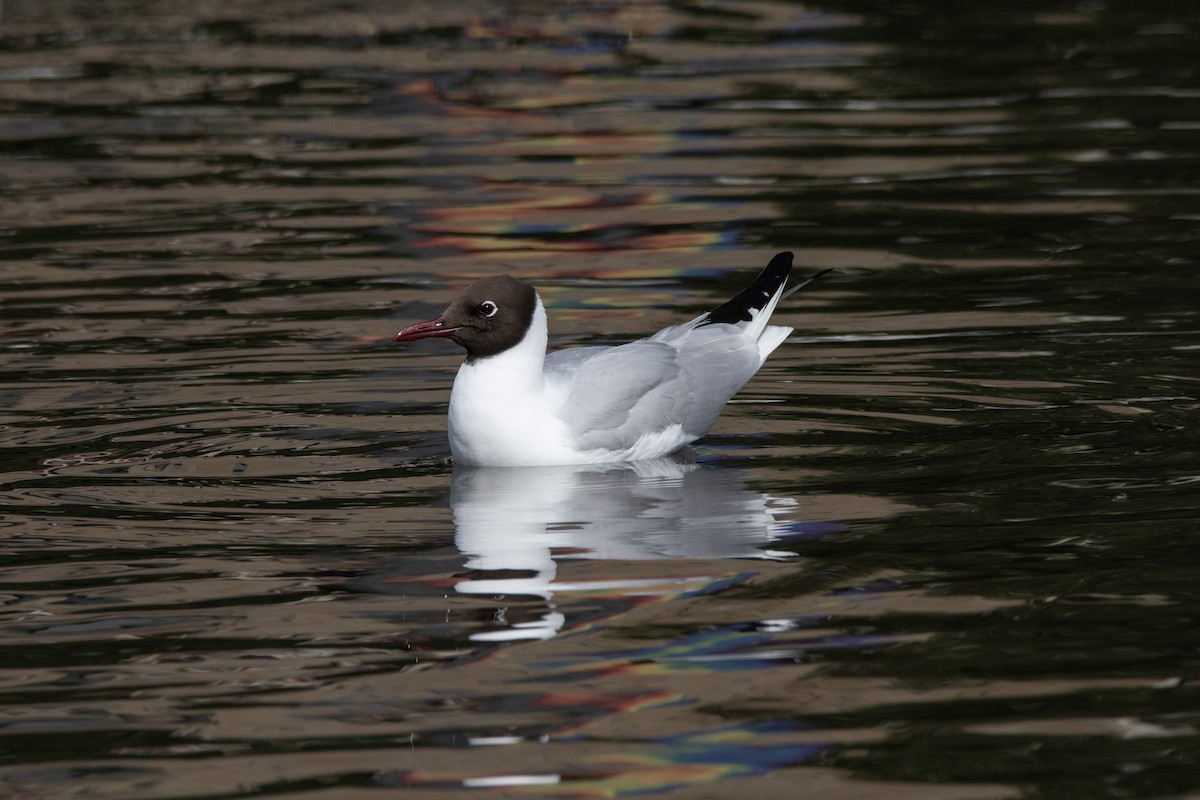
513	405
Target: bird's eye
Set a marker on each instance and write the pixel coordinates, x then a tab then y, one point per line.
488	308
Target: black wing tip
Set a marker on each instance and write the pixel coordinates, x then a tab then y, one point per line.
756	295
783	259
779	269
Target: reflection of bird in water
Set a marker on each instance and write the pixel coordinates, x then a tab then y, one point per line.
513	523
512	405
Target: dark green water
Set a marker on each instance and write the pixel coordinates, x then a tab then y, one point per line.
943	546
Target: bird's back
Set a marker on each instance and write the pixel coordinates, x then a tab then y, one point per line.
667	390
672	385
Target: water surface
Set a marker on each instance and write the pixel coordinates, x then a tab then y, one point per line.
943	546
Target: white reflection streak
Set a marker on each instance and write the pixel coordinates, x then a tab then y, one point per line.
512	780
514	522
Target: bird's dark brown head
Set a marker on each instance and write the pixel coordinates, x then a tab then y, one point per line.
491	316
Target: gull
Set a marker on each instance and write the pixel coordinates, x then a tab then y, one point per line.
514	405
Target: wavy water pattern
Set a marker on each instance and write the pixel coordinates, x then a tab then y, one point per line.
940	547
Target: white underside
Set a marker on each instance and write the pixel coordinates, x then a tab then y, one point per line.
496	424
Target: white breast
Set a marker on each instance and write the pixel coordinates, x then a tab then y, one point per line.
502	411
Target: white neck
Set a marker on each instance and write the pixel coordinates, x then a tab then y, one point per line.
519	368
498	404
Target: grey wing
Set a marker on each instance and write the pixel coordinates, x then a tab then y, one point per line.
617	394
561	362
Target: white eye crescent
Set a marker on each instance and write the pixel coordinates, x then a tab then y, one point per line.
488	308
